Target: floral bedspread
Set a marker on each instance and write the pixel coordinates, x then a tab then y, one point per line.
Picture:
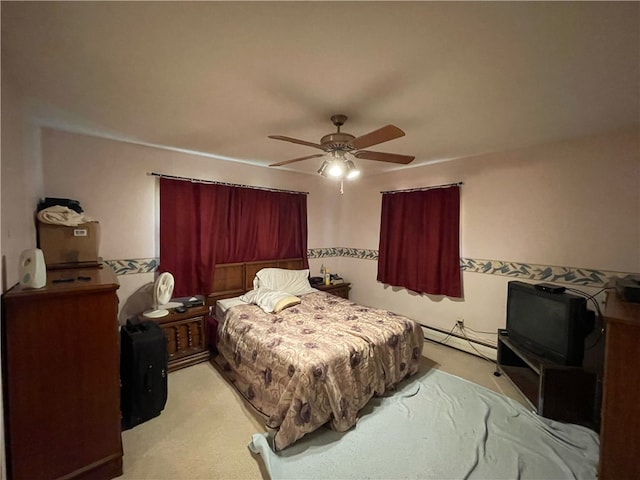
318	362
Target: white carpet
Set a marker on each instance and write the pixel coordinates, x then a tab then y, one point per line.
439	426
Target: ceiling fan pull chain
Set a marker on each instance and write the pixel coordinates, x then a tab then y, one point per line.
341	186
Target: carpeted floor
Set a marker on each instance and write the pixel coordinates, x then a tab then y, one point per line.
206	427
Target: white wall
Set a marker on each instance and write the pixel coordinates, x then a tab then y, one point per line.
21	182
573	203
110	180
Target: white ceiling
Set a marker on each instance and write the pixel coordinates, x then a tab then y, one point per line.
218	77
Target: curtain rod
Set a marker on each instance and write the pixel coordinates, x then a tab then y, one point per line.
420	189
214	182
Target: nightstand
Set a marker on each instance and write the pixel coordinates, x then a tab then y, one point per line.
186	340
340	290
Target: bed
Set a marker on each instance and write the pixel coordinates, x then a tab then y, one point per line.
312	360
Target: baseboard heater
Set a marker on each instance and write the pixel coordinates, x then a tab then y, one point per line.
469	345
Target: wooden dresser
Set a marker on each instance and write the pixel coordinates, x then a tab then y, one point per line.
61	377
620	430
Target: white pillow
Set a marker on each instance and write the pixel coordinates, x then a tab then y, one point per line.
269	300
295	282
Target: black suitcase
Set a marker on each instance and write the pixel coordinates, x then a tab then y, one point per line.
143	372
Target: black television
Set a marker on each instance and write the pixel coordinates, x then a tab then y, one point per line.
551	325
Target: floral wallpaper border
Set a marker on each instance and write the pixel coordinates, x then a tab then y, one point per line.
585	277
548	273
133	265
360	253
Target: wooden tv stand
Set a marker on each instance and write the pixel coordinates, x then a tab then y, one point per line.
554	391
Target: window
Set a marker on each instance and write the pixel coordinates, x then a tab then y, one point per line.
202	224
419	241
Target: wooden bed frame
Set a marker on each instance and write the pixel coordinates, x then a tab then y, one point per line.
235	279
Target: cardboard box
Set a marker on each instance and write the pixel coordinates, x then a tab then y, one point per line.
67	246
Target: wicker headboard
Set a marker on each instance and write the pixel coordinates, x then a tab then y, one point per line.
234	279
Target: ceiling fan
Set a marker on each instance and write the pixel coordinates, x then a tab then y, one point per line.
338	144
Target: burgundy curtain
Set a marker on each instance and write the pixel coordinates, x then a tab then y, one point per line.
203	224
419	241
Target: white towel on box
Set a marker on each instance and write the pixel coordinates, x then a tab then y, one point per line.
59	215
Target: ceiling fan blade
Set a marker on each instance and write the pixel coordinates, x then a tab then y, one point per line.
384	157
296	160
383	134
295	140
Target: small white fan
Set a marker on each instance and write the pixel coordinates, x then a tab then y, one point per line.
162	291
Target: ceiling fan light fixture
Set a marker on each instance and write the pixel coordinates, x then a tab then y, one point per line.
352	170
336	169
323	168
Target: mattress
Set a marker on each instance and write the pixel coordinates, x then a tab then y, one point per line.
222	306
